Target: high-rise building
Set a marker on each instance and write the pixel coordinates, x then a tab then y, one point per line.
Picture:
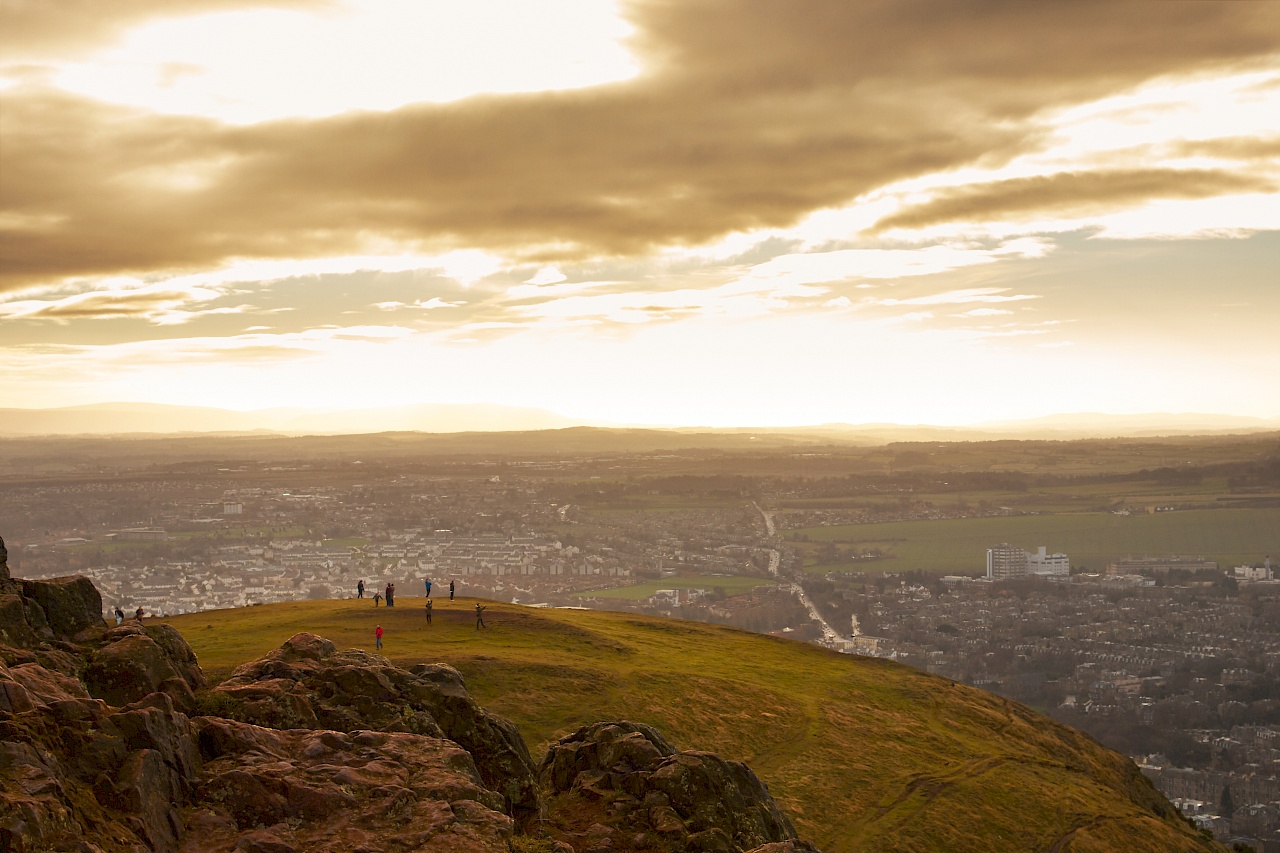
1006	561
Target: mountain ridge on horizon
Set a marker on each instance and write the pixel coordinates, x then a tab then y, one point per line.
141	418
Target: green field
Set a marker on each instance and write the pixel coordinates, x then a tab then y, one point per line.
732	585
347	542
1091	539
863	754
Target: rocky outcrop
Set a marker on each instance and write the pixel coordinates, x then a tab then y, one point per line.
135	661
307	683
33	612
70	605
296	790
110	741
635	789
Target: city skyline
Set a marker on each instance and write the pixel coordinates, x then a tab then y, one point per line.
701	213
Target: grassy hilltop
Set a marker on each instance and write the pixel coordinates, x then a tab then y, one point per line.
864	755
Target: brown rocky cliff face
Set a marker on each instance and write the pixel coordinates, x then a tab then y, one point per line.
110	741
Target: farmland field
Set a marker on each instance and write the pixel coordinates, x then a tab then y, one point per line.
732	585
1091	539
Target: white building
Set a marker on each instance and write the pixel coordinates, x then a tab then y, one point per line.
1054	565
1255	573
1006	561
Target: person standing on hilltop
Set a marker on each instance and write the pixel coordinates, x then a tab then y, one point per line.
377	597
428	611
360	589
119	615
377	637
137	614
479	616
451	590
427	582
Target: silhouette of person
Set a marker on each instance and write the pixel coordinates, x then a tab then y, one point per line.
451	590
377	637
428	585
377	597
360	589
428	611
137	614
479	616
390	595
119	615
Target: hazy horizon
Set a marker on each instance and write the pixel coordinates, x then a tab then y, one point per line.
640	212
120	417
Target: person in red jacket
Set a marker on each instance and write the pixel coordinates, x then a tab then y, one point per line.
377	637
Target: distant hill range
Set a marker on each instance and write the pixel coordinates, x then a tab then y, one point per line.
153	418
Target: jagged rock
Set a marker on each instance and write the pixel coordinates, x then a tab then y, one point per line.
73	769
268	790
694	800
4	566
136	661
44	685
70	604
307	683
15	629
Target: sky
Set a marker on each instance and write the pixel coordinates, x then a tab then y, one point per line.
678	212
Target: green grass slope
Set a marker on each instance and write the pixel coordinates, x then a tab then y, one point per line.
864	755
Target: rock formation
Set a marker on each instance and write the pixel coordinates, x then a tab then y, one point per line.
646	794
110	740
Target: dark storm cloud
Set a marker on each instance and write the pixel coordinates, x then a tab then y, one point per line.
1069	193
750	114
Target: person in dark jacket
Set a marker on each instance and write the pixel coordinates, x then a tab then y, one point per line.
479	616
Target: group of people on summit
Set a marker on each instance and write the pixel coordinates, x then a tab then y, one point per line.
389	594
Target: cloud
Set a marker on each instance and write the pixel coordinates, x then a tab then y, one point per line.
795	270
746	116
161	304
958	297
37	29
1070	193
425	305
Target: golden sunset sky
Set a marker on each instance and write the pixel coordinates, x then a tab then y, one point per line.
691	212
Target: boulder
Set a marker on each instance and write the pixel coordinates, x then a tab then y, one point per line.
135	662
70	604
127	670
15	629
690	800
44	685
268	790
308	683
